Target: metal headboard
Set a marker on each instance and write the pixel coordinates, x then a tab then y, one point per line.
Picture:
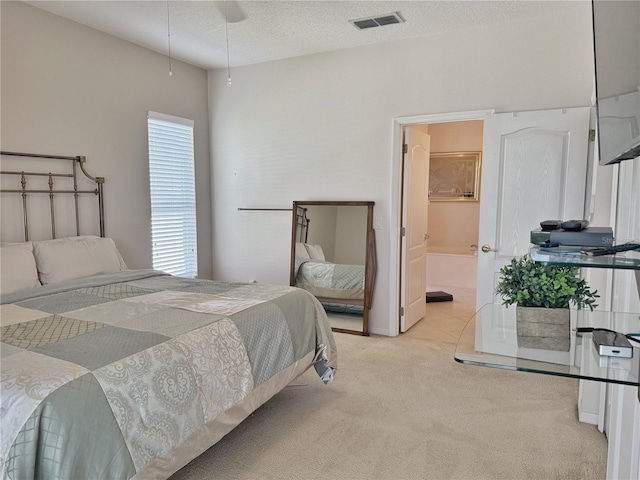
302	225
23	176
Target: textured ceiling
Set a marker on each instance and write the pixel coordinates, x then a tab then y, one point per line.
275	29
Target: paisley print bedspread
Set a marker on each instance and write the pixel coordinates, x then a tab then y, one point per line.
326	279
101	378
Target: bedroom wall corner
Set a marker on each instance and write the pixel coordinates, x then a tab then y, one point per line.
68	89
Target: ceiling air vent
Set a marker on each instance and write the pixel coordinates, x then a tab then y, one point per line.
378	21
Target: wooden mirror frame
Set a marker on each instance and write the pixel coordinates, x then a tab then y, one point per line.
370	257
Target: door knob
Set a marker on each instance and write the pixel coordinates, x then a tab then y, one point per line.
486	248
427	237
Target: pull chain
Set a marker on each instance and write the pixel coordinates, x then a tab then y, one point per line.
169	38
226	33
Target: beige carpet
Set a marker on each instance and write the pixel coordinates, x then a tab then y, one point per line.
402	408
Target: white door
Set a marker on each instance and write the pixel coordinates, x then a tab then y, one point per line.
414	221
534	167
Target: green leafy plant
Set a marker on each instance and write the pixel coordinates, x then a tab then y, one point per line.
533	284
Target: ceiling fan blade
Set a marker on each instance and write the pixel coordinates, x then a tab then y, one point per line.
232	10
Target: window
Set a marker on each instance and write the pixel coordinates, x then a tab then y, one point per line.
173	197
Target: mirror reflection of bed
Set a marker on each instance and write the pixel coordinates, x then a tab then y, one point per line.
333	257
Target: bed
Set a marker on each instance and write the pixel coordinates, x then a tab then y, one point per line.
109	372
331	283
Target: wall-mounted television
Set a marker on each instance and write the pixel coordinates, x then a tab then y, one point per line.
616	38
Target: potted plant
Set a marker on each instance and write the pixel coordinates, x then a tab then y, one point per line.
542	294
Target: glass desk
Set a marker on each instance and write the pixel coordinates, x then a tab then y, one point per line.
567	256
629	260
490	339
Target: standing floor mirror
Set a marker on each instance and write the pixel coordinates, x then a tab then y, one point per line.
333	256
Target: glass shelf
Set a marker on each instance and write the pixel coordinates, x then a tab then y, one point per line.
490	339
567	256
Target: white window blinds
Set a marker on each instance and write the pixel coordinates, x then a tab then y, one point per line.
173	197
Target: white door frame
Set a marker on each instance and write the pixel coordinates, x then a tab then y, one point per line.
396	205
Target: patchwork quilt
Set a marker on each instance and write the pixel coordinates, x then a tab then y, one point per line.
101	378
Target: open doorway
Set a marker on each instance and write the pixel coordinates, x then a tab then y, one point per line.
452	225
452	217
526	160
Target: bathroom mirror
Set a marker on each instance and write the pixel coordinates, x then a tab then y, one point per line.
454	176
333	257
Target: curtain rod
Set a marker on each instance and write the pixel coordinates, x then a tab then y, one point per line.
268	209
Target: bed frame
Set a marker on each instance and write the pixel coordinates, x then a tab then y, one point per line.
71	172
302	224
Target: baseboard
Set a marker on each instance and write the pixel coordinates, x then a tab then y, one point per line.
590	418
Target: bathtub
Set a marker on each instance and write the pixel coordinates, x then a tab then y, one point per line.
452	269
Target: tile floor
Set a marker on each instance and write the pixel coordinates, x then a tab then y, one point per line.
444	321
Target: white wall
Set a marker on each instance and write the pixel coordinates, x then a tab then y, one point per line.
71	90
341	231
319	127
322	228
351	235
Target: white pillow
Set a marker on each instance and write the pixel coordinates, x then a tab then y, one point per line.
17	268
69	258
315	252
301	251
